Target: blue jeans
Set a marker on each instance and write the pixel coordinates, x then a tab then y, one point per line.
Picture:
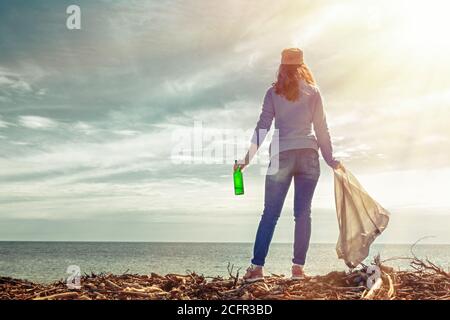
303	166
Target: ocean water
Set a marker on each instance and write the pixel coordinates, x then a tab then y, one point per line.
48	261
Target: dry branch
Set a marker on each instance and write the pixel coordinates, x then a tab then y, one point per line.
425	281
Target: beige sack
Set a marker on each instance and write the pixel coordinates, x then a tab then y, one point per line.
361	219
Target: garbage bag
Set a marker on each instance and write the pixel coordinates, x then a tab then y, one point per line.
361	219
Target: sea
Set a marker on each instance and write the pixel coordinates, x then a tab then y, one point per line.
47	262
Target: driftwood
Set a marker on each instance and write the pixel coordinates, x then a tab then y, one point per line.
426	280
373	290
59	296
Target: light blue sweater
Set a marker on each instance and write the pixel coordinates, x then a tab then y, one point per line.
294	122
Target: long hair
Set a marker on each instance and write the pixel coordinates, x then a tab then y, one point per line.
288	78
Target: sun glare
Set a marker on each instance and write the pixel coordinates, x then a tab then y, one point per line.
424	25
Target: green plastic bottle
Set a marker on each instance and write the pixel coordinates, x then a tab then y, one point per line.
238	181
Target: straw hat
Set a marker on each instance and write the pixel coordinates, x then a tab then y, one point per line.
292	56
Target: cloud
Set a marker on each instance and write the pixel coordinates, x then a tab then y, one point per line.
4	124
126	133
83	127
42	92
36	122
18	86
19	143
14	82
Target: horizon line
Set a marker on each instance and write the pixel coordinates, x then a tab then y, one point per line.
208	242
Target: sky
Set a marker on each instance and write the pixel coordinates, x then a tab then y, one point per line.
91	120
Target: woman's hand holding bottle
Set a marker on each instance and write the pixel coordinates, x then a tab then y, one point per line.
240	164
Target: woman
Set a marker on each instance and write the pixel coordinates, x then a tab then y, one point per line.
295	103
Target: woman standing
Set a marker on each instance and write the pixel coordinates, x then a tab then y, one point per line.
295	103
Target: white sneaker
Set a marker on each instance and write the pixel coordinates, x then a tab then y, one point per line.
254	273
297	272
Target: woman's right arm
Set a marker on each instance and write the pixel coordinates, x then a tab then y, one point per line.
262	128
